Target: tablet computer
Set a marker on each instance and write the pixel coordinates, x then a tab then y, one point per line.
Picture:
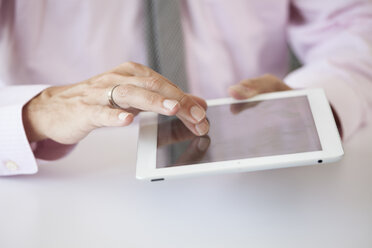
268	131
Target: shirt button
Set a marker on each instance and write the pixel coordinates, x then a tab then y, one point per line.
11	165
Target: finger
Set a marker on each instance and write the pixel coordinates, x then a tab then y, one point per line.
109	79
190	109
134	69
132	96
173	131
108	117
199	129
199	101
103	84
240	92
97	89
195	151
156	83
251	87
163	86
133	111
266	83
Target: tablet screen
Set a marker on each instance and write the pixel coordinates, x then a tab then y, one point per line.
240	130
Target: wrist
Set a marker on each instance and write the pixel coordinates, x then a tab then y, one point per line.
29	118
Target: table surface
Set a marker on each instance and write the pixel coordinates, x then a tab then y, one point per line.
91	199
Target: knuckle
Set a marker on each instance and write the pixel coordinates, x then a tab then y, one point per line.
129	64
151	99
105	78
137	68
111	116
270	77
95	119
247	83
133	66
184	98
124	90
154	83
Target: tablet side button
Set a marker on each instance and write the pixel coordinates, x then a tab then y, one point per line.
157	179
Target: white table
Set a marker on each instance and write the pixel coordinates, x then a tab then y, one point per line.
92	199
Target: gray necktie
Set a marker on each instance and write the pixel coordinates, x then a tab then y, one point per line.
165	40
165	52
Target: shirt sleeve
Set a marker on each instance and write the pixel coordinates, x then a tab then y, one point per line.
333	39
16	154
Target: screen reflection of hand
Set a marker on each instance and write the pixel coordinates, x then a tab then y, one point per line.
237	108
174	131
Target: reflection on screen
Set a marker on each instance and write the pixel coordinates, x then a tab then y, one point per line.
241	130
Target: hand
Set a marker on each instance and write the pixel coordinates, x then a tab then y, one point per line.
66	114
251	87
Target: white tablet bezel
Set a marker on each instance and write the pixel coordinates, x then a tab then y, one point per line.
324	122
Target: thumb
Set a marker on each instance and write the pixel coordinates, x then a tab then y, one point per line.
252	87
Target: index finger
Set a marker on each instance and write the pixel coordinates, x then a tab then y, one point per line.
145	77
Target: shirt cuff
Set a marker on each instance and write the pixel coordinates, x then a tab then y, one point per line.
16	154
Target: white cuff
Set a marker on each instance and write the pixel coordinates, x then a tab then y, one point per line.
16	155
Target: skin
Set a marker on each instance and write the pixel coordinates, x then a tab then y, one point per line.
66	114
251	87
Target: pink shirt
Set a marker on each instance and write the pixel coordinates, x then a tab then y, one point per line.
61	42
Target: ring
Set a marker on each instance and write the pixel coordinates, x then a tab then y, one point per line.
111	99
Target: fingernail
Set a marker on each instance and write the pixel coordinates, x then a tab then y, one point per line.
202	128
170	104
123	116
197	113
203	144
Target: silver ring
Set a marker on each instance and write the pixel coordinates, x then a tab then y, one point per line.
111	99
